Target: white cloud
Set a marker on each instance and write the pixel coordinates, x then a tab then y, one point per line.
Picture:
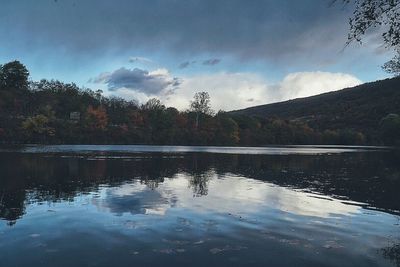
302	84
231	91
131	95
227	90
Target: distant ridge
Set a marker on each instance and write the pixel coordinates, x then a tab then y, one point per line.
360	107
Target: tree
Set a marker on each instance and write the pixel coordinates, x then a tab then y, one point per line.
96	118
393	65
37	127
153	104
390	129
199	182
227	130
14	75
201	104
370	14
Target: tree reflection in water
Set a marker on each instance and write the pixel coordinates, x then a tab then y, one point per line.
392	253
372	178
199	183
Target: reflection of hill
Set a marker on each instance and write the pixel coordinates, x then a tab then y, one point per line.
373	178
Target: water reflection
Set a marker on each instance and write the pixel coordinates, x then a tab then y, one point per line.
272	150
324	210
370	178
392	253
134	198
230	194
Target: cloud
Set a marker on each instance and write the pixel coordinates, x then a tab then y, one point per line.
230	91
70	39
185	64
227	90
135	199
139	60
211	62
225	196
149	83
258	30
208	62
303	84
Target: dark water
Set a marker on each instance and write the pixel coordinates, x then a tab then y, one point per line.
168	206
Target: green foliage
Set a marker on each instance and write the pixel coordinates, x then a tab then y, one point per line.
38	128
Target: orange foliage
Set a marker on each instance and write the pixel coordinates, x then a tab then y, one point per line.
137	119
96	118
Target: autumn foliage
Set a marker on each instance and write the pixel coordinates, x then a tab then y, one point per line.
58	113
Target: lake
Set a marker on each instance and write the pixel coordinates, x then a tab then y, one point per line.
199	206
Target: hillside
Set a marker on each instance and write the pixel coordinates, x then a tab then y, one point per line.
359	108
57	113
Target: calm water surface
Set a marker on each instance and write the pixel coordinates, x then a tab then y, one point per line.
199	206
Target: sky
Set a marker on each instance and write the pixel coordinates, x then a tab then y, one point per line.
244	53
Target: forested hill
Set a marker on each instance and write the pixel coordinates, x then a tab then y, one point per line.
359	108
53	112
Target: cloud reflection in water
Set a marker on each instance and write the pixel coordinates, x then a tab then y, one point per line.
225	194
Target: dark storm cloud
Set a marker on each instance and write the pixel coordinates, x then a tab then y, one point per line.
211	62
138	80
257	29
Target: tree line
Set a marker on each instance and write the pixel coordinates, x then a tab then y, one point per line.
53	112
